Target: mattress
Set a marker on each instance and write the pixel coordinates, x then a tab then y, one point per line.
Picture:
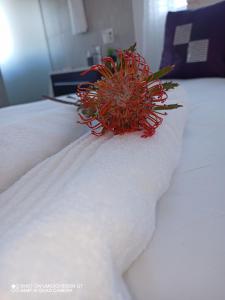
186	257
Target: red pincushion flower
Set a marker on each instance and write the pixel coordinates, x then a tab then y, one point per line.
126	99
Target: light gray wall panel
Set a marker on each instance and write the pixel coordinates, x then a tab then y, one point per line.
26	72
69	51
3	95
193	4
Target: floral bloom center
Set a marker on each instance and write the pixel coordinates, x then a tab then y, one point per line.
128	97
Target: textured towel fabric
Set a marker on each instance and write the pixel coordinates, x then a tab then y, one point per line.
85	214
30	133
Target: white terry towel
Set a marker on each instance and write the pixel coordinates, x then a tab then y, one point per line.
30	133
85	214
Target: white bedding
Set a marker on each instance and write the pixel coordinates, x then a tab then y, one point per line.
186	258
84	214
32	132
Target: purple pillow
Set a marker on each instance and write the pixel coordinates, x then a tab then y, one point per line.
195	42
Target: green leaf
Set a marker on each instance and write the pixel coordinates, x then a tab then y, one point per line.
166	106
160	73
119	63
169	85
132	48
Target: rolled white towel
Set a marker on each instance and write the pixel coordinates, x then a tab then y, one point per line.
32	132
85	214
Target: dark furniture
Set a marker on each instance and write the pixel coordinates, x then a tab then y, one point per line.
66	82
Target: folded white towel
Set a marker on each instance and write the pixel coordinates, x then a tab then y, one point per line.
85	214
32	132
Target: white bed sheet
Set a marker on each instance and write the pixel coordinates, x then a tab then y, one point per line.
186	258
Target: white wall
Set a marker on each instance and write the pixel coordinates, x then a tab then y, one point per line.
26	70
138	16
3	95
192	4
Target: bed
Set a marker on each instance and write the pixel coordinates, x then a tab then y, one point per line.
186	257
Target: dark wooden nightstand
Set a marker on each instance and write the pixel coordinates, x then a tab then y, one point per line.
66	82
